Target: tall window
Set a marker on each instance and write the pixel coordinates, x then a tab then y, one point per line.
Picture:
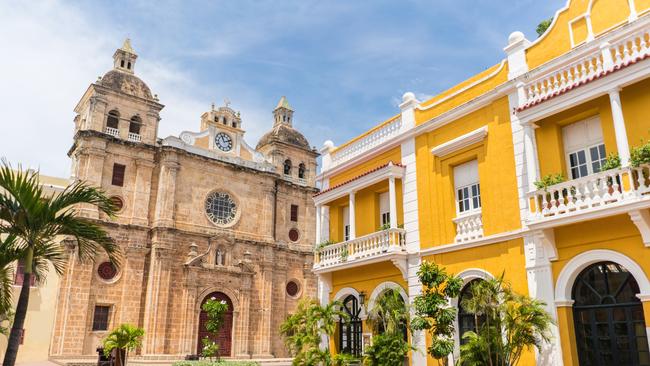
466	321
294	213
20	273
135	124
118	175
113	119
384	209
468	190
350	330
346	223
100	317
584	147
287	167
301	171
608	316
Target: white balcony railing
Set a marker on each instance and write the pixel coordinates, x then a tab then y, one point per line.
469	227
373	138
601	59
112	131
134	137
369	246
590	193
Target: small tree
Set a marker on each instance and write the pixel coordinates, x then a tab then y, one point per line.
304	330
543	26
513	323
389	317
123	339
215	310
432	310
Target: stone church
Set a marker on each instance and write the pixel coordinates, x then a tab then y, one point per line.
201	215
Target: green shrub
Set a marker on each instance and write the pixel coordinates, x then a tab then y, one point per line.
323	244
613	161
386	350
215	363
640	155
549	180
543	26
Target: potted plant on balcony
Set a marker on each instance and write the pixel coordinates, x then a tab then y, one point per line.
640	155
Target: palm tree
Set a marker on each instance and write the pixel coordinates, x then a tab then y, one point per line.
36	219
124	339
389	314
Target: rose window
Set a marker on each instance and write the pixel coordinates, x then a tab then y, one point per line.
220	208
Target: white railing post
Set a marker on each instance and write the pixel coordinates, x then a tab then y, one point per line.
619	127
608	61
352	217
392	198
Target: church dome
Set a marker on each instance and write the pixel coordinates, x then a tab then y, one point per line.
285	134
121	81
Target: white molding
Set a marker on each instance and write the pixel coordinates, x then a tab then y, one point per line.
344	292
572	269
381	288
460	142
643	297
641	218
391	170
496	238
564	303
393	257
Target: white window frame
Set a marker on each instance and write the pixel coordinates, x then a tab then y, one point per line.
346	223
473	189
584	147
384	209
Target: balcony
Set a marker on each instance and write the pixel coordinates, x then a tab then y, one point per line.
134	137
612	192
389	244
112	131
469	227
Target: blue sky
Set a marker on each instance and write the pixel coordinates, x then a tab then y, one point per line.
342	64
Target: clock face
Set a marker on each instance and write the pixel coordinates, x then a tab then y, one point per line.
223	141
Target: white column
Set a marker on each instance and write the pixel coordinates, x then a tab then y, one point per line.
530	154
352	218
619	127
392	198
633	15
319	224
324	289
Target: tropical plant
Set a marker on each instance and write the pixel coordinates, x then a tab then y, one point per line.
549	180
640	155
215	363
386	350
389	317
512	323
543	26
432	310
303	330
613	161
215	310
323	244
123	339
36	220
8	256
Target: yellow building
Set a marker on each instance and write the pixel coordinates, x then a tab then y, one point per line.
42	301
452	180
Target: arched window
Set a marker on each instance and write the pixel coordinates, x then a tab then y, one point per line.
287	167
134	125
608	317
466	321
234	123
113	119
350	331
301	171
128	65
387	299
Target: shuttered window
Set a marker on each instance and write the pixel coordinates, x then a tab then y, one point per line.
118	174
584	147
384	209
294	213
466	184
100	317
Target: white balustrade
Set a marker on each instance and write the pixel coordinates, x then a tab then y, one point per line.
134	137
590	193
112	131
372	139
368	246
601	59
469	227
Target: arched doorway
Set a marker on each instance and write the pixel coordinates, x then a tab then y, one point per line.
608	317
350	330
224	338
466	321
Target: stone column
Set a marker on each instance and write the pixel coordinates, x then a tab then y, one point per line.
91	171
166	200
157	298
539	250
619	127
264	327
243	345
141	192
392	198
352	217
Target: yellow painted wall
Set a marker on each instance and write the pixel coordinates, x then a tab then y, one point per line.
497	176
367	210
616	233
505	257
364	279
394	155
606	14
635	100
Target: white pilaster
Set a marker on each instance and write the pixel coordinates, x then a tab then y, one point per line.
324	290
319	223
633	15
352	217
619	127
530	154
392	202
516	51
539	250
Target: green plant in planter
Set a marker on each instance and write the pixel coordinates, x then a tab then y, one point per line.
323	244
640	155
549	180
344	254
613	161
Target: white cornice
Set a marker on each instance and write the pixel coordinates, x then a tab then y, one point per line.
345	189
496	238
460	142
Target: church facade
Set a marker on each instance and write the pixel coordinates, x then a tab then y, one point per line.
202	215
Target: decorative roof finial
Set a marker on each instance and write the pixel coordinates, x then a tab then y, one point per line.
126	47
284	103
